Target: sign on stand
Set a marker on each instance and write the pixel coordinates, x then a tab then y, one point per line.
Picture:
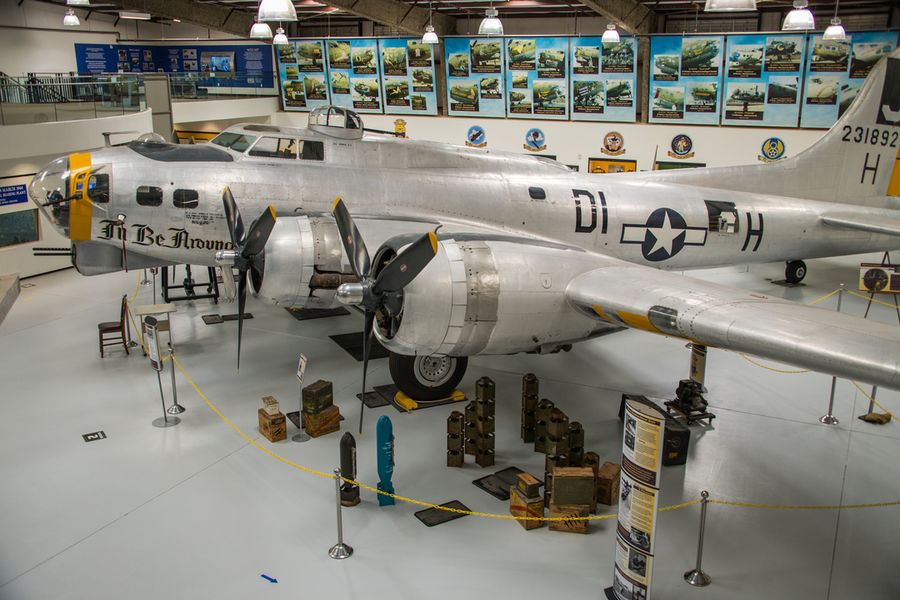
638	501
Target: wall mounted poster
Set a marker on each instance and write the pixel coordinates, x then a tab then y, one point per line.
762	80
475	69
686	79
835	71
407	67
536	77
301	65
602	79
354	74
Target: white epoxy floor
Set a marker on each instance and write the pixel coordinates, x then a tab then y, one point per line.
196	512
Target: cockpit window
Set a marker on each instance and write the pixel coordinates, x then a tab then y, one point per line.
312	150
186	198
275	147
238	142
98	188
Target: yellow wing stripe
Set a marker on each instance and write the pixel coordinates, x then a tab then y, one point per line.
894	185
601	314
637	321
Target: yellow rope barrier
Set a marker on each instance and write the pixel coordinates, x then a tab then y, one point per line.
872	300
759	364
823	298
473	513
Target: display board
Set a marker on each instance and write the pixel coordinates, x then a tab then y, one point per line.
252	61
642	446
354	74
685	79
301	66
536	77
408	77
475	76
762	80
602	79
836	70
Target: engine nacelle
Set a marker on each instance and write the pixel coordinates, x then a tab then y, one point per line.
303	265
491	297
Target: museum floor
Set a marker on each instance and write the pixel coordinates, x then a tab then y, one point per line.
195	511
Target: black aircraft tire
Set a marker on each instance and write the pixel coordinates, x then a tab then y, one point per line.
427	377
794	271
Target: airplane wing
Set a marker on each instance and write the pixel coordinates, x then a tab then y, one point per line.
879	224
721	317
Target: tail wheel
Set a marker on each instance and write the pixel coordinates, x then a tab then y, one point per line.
427	377
794	271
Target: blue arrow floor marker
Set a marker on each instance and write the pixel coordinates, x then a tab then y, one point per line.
269	579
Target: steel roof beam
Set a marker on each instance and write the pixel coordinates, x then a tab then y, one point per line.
628	15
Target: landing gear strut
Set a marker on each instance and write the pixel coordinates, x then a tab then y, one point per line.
427	377
794	271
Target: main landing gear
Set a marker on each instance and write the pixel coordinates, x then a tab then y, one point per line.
794	271
427	377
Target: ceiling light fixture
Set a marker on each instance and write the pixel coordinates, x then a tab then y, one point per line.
491	24
835	32
279	38
137	16
729	5
611	35
261	31
430	36
276	10
799	18
78	2
71	19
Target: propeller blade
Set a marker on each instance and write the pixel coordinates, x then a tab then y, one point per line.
259	233
367	345
242	300
354	245
402	270
233	218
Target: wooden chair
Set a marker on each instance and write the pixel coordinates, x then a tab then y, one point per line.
113	332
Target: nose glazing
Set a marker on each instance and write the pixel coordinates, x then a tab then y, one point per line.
49	191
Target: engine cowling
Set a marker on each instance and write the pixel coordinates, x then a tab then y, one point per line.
303	264
490	297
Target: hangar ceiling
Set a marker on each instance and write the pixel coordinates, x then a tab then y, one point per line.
410	16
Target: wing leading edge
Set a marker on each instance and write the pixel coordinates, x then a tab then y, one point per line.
721	317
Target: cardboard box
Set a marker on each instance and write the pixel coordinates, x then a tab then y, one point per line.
608	483
524	506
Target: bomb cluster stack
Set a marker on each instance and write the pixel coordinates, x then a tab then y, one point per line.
472	433
529	406
455	440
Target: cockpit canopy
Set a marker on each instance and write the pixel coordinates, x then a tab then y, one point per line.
336	122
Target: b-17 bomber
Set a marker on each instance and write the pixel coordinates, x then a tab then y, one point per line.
472	264
520	51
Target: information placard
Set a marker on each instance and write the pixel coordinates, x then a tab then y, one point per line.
762	80
836	70
301	65
354	72
536	77
475	76
642	444
408	77
602	79
686	79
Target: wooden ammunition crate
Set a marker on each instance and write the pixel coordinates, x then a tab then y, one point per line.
608	483
574	486
567	511
523	506
317	396
273	427
484	458
528	485
455	458
323	422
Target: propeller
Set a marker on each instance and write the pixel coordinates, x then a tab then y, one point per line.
247	253
384	291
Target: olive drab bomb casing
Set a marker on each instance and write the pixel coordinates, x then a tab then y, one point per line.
349	492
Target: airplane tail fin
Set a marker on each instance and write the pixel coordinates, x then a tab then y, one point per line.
855	162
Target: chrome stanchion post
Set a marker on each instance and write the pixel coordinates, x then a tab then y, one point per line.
145	281
829	418
339	550
175	409
696	576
